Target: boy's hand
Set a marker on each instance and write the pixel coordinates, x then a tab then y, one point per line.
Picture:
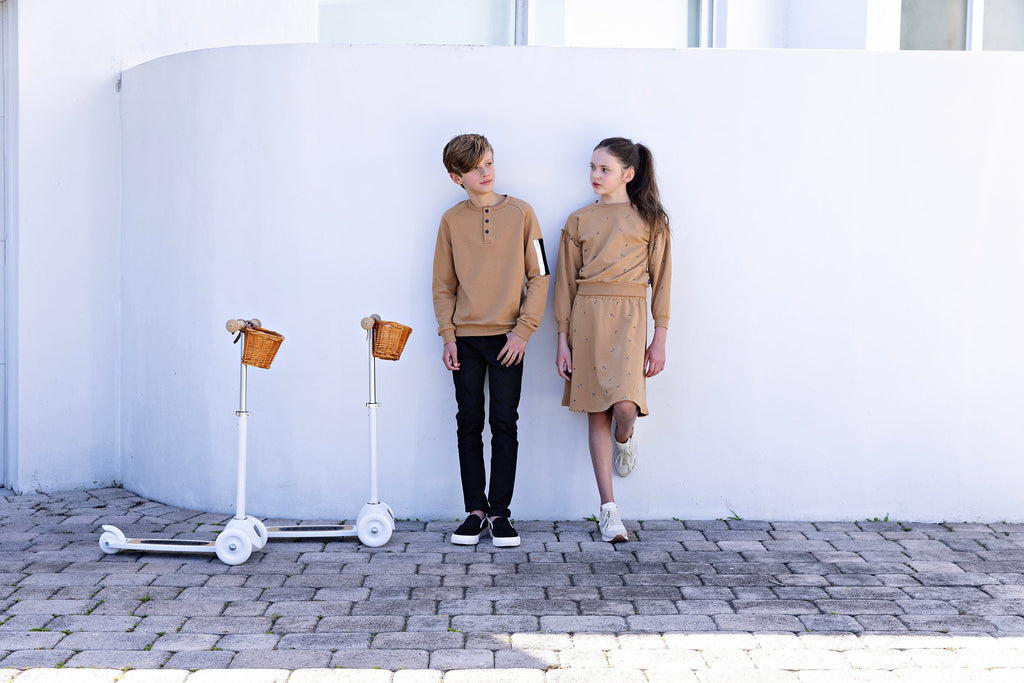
450	356
563	359
654	358
513	351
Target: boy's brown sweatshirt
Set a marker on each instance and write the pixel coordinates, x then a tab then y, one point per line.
490	271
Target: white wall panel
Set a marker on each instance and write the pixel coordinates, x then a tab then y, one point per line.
847	247
68	235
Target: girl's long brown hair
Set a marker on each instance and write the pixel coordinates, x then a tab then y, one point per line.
643	188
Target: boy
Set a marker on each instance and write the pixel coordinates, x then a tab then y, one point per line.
488	246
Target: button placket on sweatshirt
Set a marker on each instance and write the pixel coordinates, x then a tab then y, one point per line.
486	227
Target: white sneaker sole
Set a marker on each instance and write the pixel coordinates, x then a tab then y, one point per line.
500	542
617	538
466	540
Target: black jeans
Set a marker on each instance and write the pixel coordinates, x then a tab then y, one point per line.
478	358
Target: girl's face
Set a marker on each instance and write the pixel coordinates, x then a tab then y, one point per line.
608	177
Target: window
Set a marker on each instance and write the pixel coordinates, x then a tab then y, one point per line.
1004	25
933	25
962	25
573	23
614	23
418	22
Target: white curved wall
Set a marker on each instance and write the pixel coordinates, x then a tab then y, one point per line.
63	199
845	340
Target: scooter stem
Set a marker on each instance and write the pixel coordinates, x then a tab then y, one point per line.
243	438
372	406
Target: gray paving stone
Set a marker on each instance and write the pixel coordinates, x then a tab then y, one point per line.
116	659
29	640
224	625
461	659
160	624
777	606
838	623
25	659
104	640
197	659
245	641
881	623
525	659
578	624
685	623
548	607
428	641
428	623
175	642
324	641
26	622
757	622
54	607
856	607
178	608
404	608
281	659
947	624
955	579
391	660
494	624
360	624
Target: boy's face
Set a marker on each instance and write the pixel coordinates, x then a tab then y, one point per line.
478	181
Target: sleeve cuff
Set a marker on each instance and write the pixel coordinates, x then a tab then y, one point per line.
522	331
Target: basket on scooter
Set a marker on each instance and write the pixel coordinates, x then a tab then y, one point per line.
260	346
389	339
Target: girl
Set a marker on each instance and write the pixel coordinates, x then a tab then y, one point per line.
610	251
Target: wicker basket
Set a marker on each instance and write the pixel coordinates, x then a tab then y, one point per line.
260	346
389	339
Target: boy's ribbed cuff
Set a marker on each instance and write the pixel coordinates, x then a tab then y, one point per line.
522	331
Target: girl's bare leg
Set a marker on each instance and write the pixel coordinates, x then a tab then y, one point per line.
599	425
625	414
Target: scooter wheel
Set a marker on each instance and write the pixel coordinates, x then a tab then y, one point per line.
233	546
374	530
260	529
108	539
251	527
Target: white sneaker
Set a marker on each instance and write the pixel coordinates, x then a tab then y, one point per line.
625	455
610	524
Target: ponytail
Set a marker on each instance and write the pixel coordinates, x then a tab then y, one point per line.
643	188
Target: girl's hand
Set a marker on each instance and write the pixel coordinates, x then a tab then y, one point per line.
563	359
654	358
450	356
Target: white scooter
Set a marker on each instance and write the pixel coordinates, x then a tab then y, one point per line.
376	521
242	534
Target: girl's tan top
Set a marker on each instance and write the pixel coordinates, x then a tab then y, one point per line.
606	250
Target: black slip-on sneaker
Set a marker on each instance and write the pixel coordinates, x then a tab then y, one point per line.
470	531
503	534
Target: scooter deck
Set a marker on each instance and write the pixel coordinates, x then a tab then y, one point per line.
174	545
312	531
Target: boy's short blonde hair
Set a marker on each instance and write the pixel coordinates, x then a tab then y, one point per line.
464	152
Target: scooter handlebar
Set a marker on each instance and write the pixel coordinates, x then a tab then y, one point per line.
368	323
236	324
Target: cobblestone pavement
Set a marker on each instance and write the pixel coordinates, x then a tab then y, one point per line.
721	600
